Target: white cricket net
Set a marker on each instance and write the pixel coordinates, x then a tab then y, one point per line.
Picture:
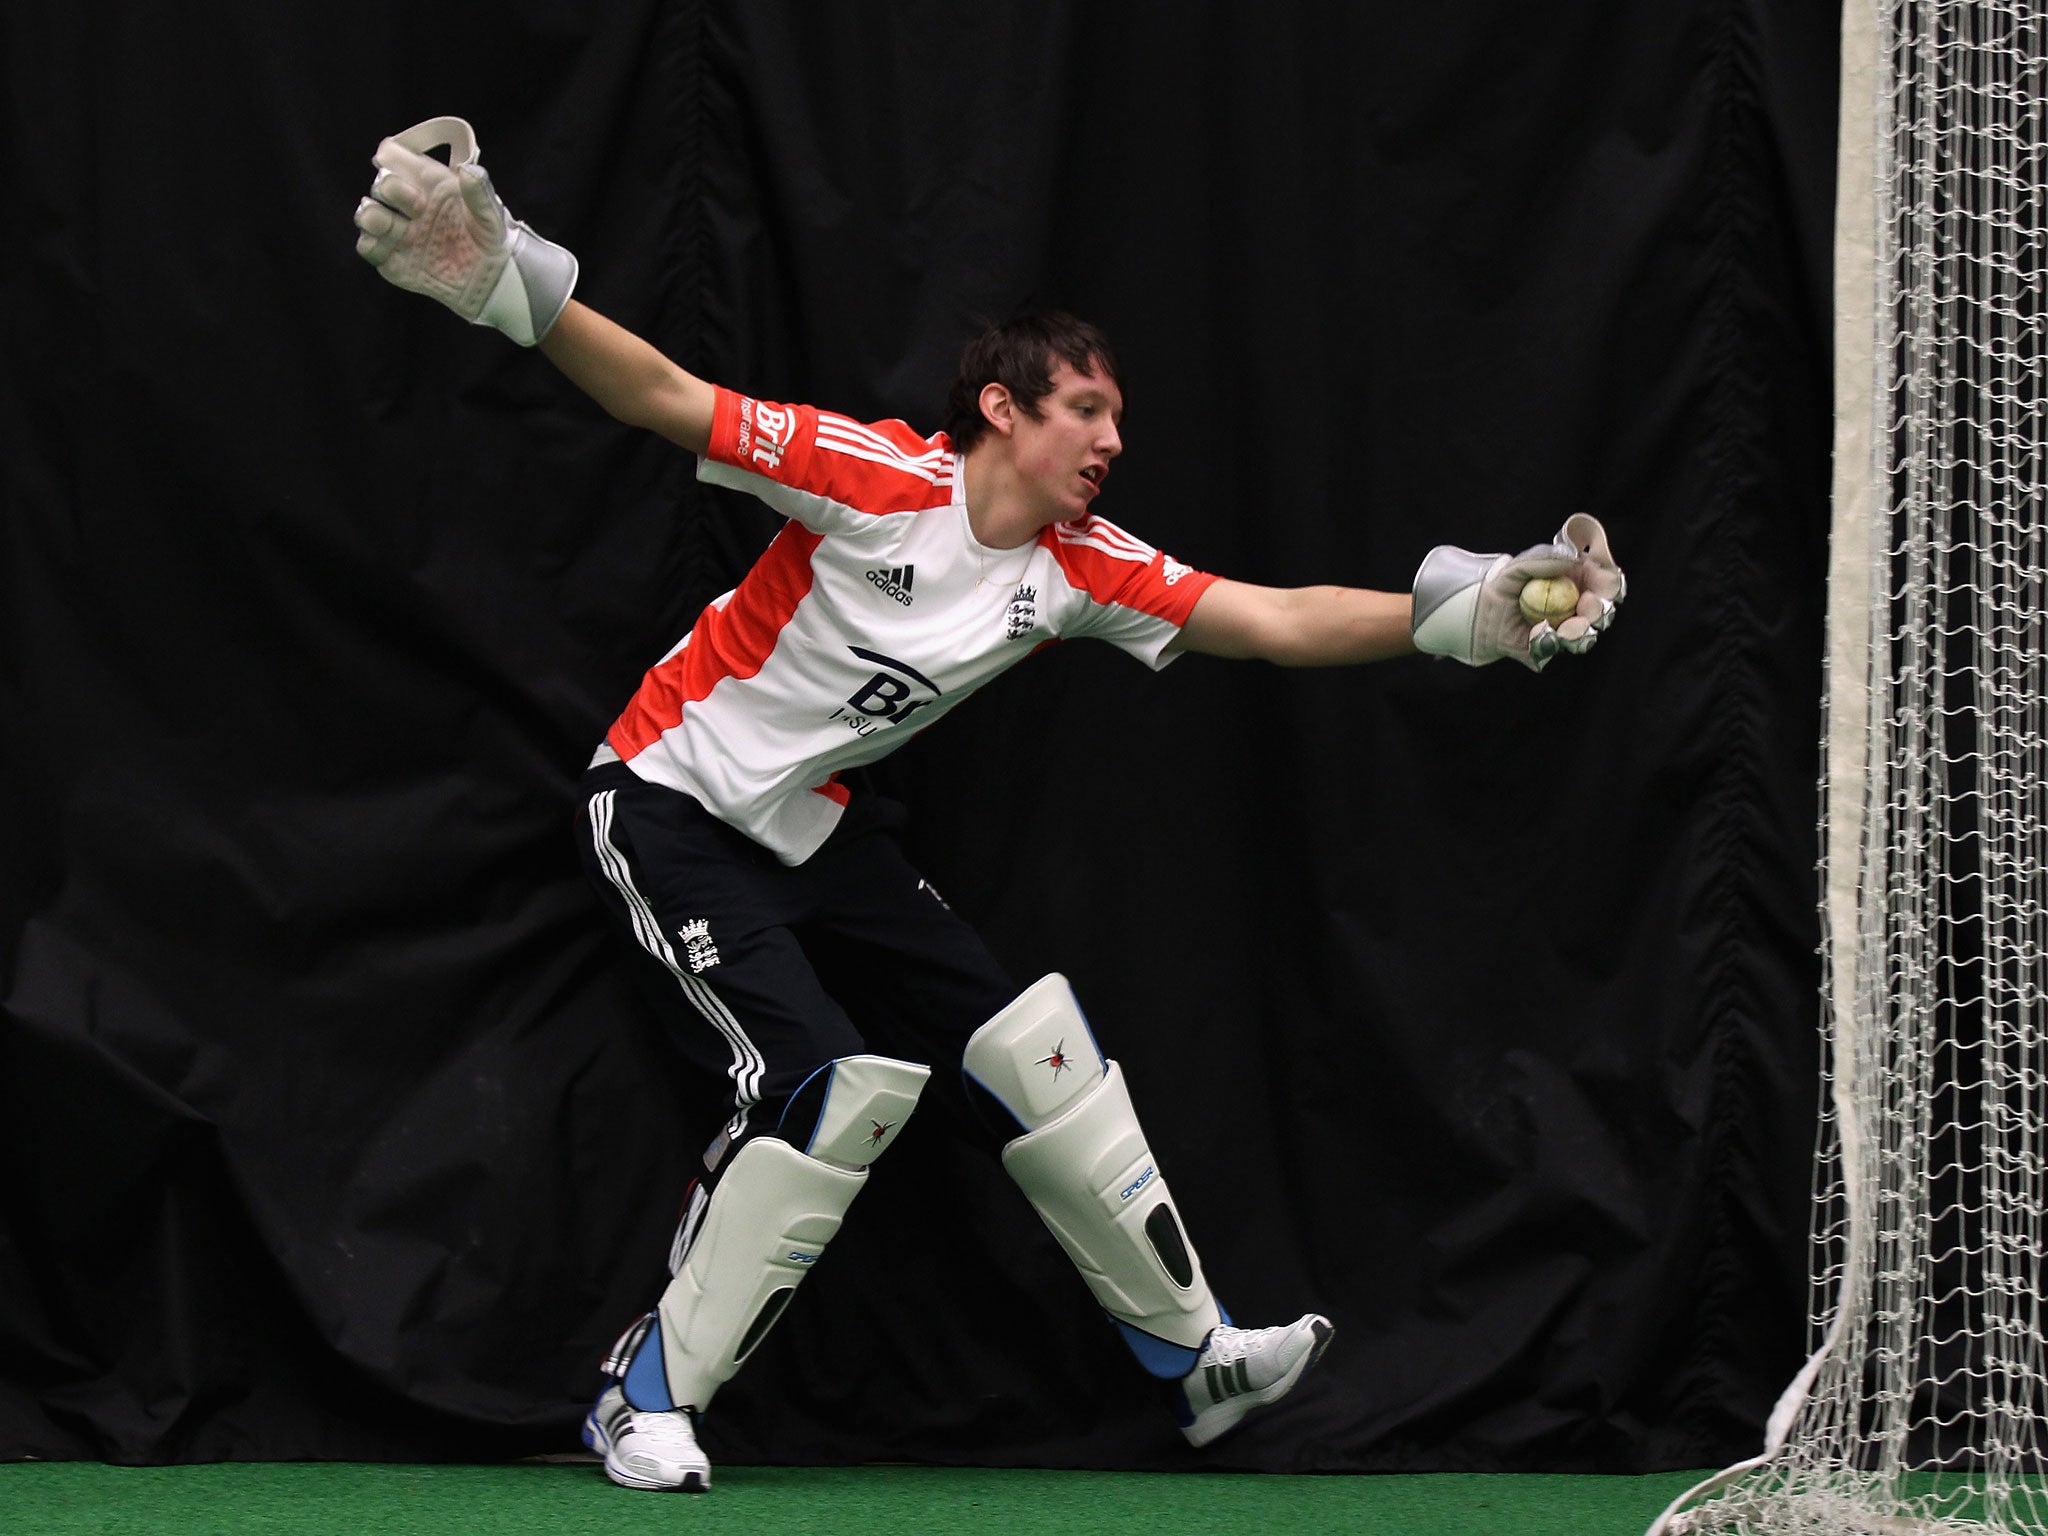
1924	1406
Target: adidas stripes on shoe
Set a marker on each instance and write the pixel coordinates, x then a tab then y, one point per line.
1240	1369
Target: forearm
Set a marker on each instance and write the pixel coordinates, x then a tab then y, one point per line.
631	379
1338	626
1300	626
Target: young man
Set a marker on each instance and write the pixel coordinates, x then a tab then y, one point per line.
911	571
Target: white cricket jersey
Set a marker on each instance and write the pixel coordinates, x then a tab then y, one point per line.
874	612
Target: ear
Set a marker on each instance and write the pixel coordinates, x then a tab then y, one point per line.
998	408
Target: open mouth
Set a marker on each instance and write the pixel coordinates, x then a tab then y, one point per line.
1093	475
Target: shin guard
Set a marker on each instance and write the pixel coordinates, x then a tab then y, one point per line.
1082	1161
777	1206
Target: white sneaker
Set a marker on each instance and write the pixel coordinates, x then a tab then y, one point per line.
1240	1369
643	1449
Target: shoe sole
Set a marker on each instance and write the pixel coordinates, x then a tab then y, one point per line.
597	1440
1227	1416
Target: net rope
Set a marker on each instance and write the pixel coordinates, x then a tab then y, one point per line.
1924	1402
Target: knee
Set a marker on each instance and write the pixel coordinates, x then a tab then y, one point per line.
1033	1061
849	1110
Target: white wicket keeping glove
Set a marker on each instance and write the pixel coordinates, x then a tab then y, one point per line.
440	230
1468	606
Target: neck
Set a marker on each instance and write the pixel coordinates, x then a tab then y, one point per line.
998	514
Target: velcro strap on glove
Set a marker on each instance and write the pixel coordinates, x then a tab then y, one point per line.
1448	589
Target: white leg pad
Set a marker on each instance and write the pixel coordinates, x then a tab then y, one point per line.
1037	1057
773	1214
1084	1165
769	1221
1094	1182
867	1100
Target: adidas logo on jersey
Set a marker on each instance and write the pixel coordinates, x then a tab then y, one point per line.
895	582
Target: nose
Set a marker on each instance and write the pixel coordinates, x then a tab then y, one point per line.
1111	442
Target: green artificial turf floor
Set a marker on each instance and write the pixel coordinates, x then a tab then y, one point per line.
573	1499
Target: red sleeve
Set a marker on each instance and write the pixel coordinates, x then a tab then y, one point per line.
882	466
1116	569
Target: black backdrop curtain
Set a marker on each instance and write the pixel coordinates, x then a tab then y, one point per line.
1473	1009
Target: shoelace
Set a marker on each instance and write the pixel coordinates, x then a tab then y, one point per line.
1241	1344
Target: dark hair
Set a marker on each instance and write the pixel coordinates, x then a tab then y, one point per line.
1020	354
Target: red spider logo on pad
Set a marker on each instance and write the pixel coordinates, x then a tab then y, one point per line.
1057	1060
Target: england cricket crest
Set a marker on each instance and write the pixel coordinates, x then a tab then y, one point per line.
1023	615
699	953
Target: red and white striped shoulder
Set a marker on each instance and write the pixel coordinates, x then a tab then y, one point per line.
1116	568
875	467
1104	537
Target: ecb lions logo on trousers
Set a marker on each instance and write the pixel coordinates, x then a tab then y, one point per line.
700	953
890	697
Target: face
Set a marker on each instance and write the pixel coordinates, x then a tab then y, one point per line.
1064	452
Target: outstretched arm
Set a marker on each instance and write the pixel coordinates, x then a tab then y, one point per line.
1465	606
1299	626
630	378
440	229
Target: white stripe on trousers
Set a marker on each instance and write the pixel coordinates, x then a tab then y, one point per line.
747	1065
